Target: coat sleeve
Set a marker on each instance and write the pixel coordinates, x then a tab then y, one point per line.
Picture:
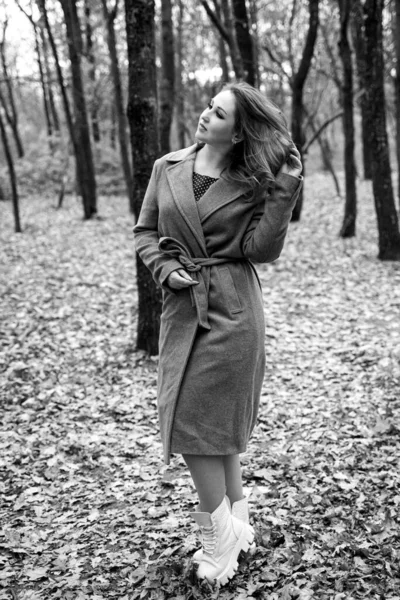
265	235
147	236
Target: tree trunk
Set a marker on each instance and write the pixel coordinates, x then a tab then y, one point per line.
244	40
118	108
221	46
142	116
357	35
348	228
397	91
52	104
113	126
94	109
61	83
388	225
298	81
236	57
325	152
38	50
9	107
167	84
84	162
13	179
179	91
46	106
253	14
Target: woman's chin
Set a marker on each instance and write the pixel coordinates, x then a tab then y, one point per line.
199	135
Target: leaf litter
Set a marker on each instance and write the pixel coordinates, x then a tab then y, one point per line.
88	510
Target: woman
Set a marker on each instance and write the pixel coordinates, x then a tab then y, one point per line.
209	211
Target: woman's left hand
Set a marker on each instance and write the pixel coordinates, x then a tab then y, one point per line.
293	164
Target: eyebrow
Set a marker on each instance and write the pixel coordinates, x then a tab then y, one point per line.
220	108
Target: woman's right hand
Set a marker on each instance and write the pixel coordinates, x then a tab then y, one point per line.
180	279
293	165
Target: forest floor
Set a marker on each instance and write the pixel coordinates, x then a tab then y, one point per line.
88	510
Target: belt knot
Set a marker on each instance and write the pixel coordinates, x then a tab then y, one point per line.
199	293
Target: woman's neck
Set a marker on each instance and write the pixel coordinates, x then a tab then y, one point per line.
211	160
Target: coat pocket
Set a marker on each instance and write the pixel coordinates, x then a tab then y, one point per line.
229	290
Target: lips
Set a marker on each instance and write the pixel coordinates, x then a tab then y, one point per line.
201	127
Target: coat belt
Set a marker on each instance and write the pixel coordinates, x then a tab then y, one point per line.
199	293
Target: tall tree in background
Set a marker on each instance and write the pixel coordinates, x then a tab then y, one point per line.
397	89
60	77
297	82
94	108
11	171
388	225
253	19
83	148
142	116
226	28
221	46
39	60
244	40
349	221
179	89
118	108
167	83
8	103
358	38
49	77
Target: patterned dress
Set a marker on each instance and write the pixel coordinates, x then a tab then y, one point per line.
201	183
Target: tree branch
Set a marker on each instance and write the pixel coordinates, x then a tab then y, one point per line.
215	21
276	60
290	46
320	130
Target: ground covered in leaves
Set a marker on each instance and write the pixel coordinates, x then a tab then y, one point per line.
88	510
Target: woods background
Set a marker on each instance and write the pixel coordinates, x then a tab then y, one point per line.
86	76
91	93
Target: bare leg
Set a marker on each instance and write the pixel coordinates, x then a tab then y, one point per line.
233	477
208	476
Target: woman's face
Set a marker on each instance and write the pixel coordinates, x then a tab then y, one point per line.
217	121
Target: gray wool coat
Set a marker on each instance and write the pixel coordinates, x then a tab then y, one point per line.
212	356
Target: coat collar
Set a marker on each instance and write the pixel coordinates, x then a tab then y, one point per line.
181	154
179	176
222	192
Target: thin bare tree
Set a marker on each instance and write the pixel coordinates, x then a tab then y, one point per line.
298	80
83	148
11	171
39	60
142	116
167	83
348	228
388	223
7	101
118	108
397	89
90	55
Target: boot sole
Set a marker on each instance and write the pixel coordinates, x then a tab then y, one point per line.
243	543
199	553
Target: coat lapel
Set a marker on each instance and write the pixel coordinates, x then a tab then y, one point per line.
219	194
222	192
179	177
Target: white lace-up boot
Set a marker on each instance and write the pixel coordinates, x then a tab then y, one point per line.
240	510
223	538
199	553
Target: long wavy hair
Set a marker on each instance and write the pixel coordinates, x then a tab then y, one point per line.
264	140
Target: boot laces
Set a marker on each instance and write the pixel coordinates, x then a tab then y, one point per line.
209	537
